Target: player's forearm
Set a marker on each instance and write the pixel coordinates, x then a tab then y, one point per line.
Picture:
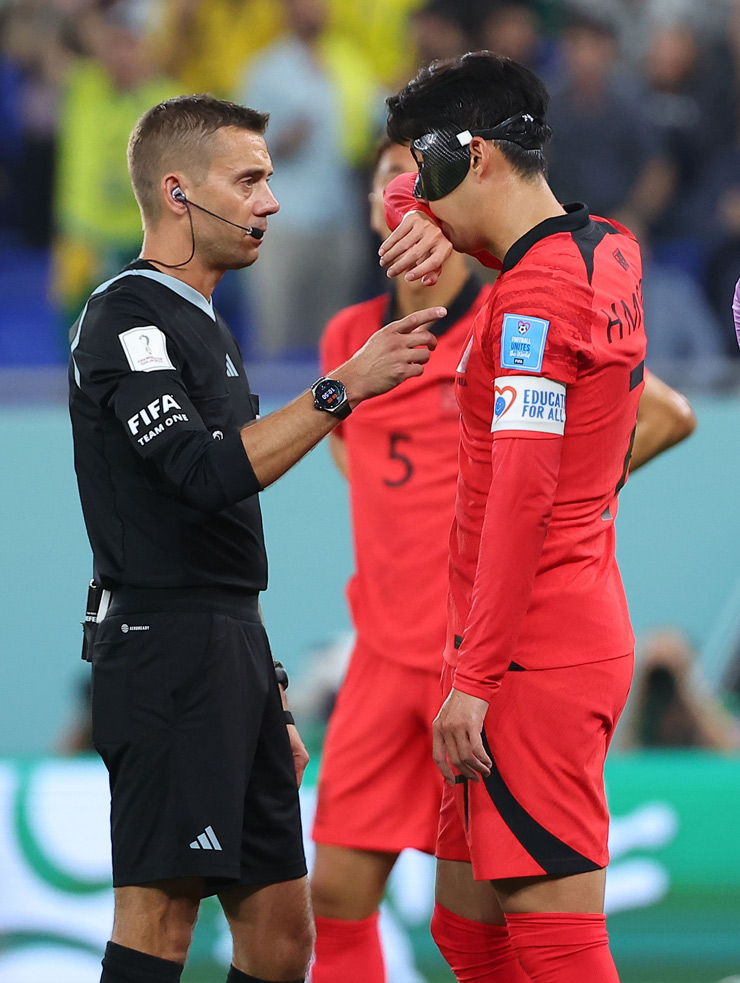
394	353
518	511
278	441
664	418
399	200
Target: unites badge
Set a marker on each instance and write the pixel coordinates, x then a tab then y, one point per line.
523	342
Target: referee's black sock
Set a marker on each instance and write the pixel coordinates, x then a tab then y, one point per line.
123	965
236	976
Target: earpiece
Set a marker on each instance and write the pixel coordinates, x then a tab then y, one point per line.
178	195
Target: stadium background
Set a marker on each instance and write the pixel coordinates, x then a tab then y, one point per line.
670	69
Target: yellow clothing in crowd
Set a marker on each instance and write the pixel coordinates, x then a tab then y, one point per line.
96	212
358	92
379	28
206	47
205	44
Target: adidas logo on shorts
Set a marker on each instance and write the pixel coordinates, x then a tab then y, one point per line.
206	841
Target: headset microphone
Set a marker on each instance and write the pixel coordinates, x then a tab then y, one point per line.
179	195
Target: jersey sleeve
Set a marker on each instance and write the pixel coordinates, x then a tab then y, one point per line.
131	368
518	510
540	325
399	200
535	344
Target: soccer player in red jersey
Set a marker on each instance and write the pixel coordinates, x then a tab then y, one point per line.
539	644
401	462
379	791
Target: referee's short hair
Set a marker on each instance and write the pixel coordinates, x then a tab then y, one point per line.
173	134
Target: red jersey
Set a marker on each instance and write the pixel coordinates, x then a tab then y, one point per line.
402	457
548	389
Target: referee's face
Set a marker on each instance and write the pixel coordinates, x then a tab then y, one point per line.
236	188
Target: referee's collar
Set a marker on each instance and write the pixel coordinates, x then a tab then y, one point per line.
576	217
457	308
145	269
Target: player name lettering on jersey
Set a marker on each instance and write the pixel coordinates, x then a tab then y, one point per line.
146	349
522	402
624	317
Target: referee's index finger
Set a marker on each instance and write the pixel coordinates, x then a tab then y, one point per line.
419	318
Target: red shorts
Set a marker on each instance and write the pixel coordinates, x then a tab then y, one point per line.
378	786
542	810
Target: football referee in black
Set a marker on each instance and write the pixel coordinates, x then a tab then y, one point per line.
188	713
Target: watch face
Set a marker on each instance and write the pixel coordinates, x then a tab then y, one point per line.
329	393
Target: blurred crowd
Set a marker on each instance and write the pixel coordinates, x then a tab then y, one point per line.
645	108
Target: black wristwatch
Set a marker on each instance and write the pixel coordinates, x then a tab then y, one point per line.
280	673
330	396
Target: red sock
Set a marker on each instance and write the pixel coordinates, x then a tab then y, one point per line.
563	948
347	951
474	951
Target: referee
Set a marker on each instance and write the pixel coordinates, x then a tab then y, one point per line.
188	714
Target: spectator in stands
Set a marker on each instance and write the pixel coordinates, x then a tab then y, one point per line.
604	151
381	30
97	219
323	103
687	342
512	28
437	31
33	61
204	44
691	103
669	705
717	220
11	122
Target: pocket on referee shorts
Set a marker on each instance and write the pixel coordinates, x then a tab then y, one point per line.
149	671
111	684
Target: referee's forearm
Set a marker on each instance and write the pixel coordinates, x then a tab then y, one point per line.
275	443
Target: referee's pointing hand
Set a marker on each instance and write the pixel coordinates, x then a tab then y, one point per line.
396	352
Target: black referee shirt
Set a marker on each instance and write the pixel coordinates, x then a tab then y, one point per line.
158	393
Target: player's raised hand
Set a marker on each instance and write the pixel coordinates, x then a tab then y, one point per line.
418	248
396	352
456	737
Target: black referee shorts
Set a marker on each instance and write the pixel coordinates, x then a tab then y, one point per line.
188	720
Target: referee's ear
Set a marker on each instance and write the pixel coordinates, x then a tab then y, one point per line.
173	189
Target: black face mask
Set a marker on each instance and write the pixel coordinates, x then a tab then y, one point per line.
443	156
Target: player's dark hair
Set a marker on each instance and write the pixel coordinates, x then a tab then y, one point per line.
475	91
173	134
